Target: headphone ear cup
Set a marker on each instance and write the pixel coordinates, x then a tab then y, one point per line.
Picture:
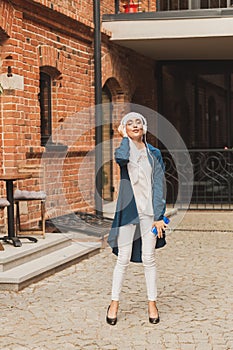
144	129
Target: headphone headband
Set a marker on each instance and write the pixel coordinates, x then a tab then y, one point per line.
133	115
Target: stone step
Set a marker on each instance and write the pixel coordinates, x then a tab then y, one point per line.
15	256
32	271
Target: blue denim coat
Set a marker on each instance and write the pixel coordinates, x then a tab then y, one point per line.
126	209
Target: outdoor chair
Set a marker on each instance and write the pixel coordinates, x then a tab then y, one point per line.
4	203
27	196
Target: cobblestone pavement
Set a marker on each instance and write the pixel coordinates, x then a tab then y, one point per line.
195	285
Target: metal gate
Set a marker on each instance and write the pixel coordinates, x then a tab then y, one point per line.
212	179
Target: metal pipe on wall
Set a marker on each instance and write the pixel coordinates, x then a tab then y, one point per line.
98	108
117	6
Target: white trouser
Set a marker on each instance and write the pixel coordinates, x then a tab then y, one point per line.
125	240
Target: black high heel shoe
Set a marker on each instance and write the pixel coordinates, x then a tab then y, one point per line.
154	320
111	321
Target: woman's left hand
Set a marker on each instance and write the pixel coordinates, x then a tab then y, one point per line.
160	226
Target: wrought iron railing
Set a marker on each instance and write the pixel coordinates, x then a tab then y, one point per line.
212	186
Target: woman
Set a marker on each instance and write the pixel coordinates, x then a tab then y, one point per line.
140	207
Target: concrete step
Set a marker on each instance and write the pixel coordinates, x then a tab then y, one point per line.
36	269
15	256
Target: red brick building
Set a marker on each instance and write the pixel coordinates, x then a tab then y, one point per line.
170	56
47	73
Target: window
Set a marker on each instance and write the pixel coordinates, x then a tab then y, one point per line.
45	107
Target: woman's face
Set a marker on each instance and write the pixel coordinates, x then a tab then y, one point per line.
134	128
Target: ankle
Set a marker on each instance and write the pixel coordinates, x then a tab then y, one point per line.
152	303
114	304
152	308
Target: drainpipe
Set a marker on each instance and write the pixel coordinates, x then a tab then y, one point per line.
117	6
98	109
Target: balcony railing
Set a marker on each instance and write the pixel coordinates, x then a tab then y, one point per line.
178	5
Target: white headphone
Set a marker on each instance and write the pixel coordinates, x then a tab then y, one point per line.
135	115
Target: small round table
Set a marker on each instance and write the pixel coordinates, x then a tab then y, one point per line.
12	238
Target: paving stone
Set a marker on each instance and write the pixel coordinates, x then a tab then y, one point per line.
68	310
188	346
204	346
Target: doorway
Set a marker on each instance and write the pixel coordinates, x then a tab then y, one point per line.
197	98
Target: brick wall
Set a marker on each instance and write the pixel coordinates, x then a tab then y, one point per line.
143	5
60	37
83	9
6	15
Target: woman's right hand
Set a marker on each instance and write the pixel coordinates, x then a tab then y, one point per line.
122	130
160	226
